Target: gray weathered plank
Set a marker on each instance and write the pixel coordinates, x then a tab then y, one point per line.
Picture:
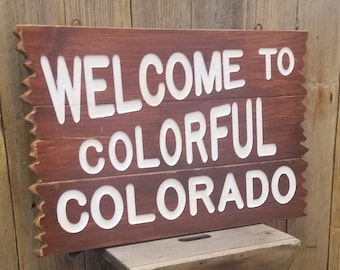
17	137
161	13
334	53
250	247
271	15
8	255
104	13
321	19
219	14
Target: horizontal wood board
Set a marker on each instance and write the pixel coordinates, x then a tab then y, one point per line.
259	245
145	190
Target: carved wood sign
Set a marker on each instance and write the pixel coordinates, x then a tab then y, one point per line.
146	134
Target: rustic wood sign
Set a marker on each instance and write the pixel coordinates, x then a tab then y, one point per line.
147	134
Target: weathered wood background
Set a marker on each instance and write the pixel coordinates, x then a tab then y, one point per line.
319	231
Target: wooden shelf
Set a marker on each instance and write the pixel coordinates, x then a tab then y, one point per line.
251	247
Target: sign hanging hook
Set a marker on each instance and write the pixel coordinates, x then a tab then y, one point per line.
76	22
258	27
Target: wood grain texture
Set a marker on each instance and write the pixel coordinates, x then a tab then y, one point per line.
256	247
281	127
164	44
17	138
107	13
8	256
161	14
322	74
146	190
334	248
272	15
218	14
332	83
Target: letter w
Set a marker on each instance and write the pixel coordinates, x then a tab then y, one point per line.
58	88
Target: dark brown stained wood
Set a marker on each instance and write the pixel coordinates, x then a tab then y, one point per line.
121	42
219	14
146	187
56	148
273	109
281	127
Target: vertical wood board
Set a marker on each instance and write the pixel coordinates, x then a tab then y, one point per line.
161	14
16	135
8	256
321	19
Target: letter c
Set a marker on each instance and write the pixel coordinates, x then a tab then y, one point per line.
83	156
61	211
151	59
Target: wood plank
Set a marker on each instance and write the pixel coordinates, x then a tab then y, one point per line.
334	256
335	214
8	255
288	109
285	132
322	75
107	13
163	45
272	15
334	249
280	224
17	137
161	14
217	14
251	247
146	189
334	242
322	61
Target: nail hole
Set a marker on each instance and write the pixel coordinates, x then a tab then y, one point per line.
194	238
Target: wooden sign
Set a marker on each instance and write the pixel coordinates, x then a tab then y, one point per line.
147	134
